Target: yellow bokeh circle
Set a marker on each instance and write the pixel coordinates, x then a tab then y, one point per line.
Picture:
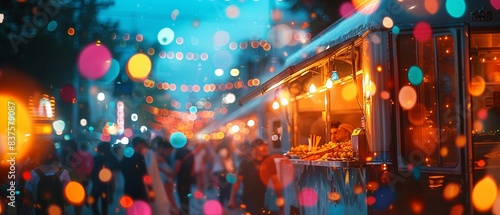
139	67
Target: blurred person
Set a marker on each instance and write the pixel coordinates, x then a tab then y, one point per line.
334	126
344	132
161	204
134	170
103	191
202	158
254	188
223	165
165	160
38	197
183	174
79	163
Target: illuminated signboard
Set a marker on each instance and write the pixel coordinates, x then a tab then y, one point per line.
120	117
42	107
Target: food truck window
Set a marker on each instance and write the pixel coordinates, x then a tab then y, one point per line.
428	85
485	66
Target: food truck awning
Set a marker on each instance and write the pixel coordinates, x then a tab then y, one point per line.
239	113
325	44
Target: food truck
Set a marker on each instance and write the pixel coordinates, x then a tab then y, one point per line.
420	83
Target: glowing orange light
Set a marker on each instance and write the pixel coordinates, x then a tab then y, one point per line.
74	192
126	201
54	210
477	86
105	175
451	191
484	194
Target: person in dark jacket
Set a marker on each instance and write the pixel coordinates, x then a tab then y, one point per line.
134	169
105	164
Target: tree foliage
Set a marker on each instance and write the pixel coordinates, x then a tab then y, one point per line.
43	37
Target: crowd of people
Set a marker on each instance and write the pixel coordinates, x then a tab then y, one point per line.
153	171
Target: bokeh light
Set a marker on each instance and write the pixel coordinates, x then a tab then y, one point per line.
128	152
451	191
26	175
54	210
346	9
308	197
407	97
422	31
166	36
68	93
396	30
280	35
105	175
234	72
94	61
178	139
460	141
418	114
134	117
416	207
457	210
484	194
415	75
198	194
387	22
139	207
370	200
456	8
444	151
482	113
231	178
385	95
431	6
349	91
221	38
496	206
232	11
112	73
52	25
372	186
477	86
212	207
101	96
139	67
481	163
495	4
126	201
83	122
74	192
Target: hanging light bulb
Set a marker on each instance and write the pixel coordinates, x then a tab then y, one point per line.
276	105
329	83
312	88
284	101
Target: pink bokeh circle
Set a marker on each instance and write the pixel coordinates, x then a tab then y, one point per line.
94	61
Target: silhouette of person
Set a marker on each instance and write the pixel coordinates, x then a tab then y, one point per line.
223	165
102	191
133	170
